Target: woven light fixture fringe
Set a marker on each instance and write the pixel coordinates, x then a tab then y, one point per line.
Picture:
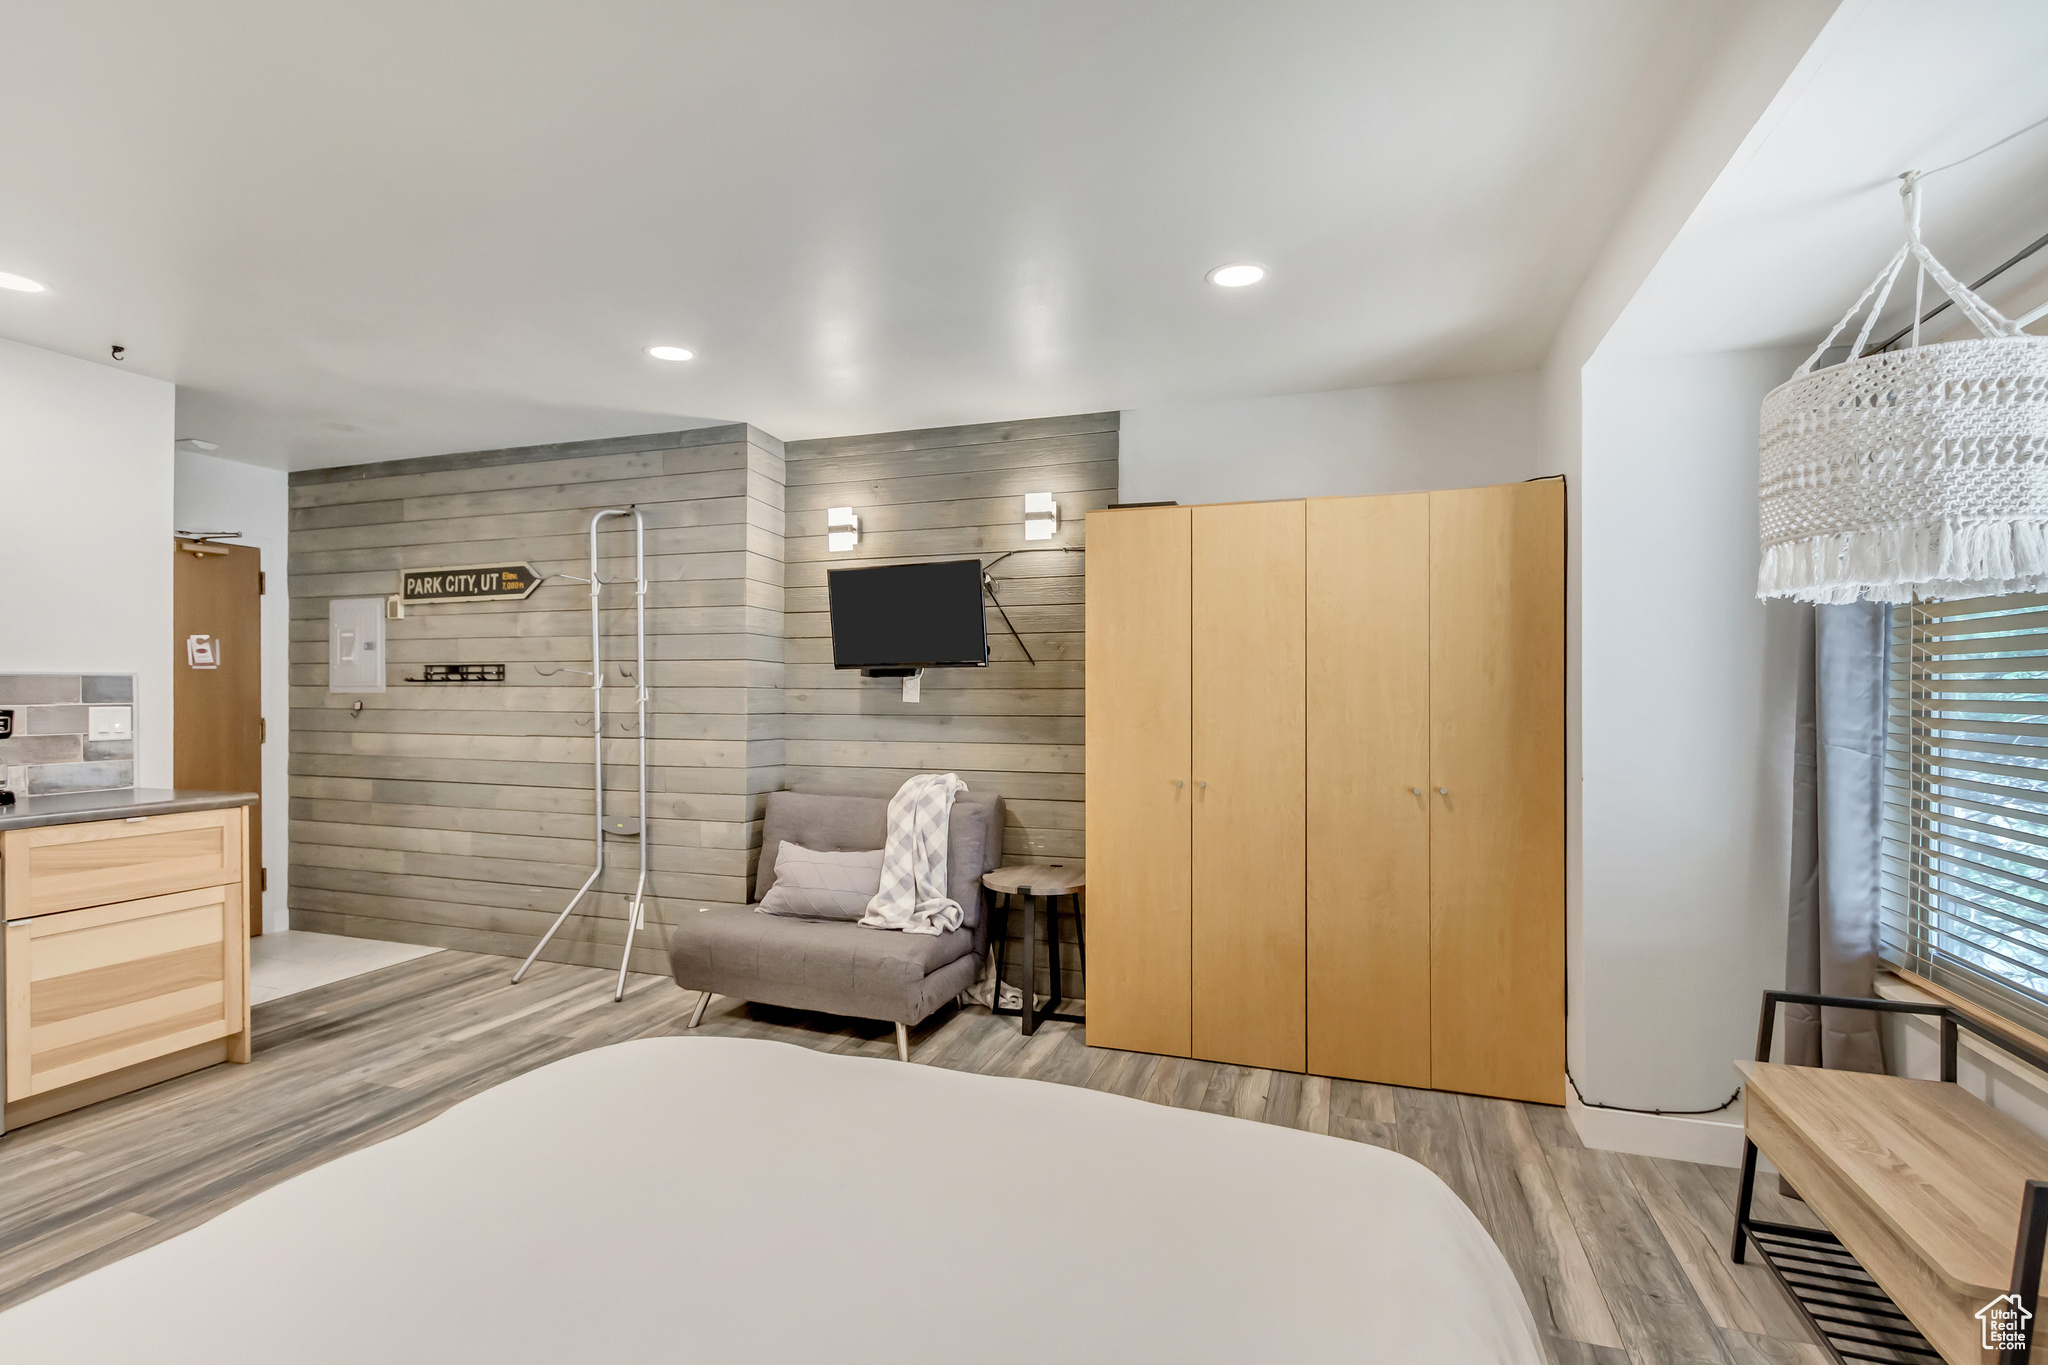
1912	475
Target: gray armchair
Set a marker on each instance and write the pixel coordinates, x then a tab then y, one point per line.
836	966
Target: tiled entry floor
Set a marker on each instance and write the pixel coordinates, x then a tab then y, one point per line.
294	960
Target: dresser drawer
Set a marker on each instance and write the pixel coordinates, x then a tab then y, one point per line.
92	991
67	867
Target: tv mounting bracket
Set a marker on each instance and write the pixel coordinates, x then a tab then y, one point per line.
988	585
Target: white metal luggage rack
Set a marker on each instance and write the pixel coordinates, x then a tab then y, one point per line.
619	826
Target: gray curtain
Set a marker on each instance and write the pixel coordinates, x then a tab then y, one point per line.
1837	815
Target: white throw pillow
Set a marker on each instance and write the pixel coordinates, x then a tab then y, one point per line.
814	885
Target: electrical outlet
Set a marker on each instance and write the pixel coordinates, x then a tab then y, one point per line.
109	722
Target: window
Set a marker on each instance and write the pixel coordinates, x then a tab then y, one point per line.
1966	799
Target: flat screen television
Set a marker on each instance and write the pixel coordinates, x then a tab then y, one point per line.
892	620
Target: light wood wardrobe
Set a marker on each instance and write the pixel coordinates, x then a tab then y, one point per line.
1325	803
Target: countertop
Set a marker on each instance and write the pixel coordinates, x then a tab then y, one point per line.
126	803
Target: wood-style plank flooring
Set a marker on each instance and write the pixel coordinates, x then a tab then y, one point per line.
1623	1258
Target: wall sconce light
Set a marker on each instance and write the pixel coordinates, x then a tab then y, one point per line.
1041	516
842	529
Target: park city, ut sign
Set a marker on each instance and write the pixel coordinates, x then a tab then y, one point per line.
468	583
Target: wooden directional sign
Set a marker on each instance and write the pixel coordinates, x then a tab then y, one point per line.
468	583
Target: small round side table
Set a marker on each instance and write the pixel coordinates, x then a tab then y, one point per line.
1042	886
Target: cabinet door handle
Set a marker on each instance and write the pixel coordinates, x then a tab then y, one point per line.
1178	783
1416	790
1443	791
1203	785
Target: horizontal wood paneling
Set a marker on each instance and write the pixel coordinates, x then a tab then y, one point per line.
1014	728
955	441
460	815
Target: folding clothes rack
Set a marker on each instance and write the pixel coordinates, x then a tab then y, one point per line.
634	827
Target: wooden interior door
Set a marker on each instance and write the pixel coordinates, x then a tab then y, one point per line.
1368	798
1249	951
1496	841
217	735
1138	787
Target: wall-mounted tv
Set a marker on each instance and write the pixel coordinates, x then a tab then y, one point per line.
892	620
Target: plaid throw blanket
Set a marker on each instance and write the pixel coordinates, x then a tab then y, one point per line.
913	893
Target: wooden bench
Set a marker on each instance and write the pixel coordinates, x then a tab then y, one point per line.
1936	1204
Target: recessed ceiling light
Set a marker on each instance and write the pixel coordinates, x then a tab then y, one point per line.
1237	276
19	282
670	353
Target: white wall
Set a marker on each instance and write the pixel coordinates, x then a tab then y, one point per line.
1454	433
1674	912
1686	688
222	495
1771	204
85	531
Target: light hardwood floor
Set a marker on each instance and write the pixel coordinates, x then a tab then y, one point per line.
1623	1258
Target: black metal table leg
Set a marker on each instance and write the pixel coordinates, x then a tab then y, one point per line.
1080	937
1001	929
1742	1199
2026	1270
1030	962
1050	907
1037	907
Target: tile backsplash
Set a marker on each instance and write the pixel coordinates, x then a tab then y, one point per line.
49	752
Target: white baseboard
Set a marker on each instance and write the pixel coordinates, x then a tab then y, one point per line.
1707	1139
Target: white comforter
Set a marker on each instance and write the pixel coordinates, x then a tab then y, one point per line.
714	1199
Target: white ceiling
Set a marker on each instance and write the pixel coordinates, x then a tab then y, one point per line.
1807	213
400	227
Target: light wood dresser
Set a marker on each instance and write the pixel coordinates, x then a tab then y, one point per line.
126	950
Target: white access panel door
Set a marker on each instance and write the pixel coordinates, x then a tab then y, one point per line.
355	644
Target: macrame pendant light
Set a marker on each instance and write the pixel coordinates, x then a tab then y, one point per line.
1909	475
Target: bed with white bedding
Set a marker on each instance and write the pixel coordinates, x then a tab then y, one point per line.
724	1199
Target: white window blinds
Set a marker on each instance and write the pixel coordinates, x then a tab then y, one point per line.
1966	803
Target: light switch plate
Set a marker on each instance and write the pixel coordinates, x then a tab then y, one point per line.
109	722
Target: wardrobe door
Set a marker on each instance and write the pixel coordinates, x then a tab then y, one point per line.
1140	793
1249	990
1496	789
1368	803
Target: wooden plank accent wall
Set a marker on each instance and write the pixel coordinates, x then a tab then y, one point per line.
1014	728
460	815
